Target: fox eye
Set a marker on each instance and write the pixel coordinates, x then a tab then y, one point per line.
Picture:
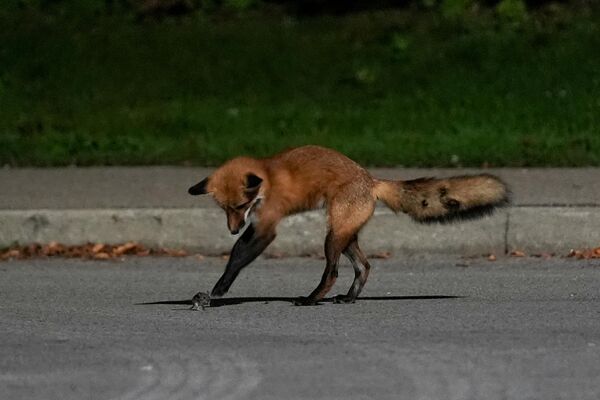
241	206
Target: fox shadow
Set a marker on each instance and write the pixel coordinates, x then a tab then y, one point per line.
230	301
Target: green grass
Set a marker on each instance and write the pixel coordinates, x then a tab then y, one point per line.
399	88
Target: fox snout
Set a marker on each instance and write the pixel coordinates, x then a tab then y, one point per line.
235	222
236	230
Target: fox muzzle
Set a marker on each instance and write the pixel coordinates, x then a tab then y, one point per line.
236	230
235	223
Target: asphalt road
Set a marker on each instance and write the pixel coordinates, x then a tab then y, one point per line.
426	328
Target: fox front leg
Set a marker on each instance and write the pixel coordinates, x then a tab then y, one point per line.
249	246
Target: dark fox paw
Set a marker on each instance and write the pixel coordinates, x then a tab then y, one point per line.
344	299
304	301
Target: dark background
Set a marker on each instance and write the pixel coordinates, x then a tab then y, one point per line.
414	83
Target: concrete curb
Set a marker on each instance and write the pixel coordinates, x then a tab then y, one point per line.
531	229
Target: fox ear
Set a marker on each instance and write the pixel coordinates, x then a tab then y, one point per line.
198	188
252	183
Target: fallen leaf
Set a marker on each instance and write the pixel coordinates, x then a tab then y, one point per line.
98	247
125	248
582	254
382	255
33	249
175	253
102	256
97	251
13	253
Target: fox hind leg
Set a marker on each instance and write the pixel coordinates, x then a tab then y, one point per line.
361	267
333	249
345	221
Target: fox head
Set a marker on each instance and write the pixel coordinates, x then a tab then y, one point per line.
237	190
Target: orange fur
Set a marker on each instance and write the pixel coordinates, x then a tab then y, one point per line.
308	177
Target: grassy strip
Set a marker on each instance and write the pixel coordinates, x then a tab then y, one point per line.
394	88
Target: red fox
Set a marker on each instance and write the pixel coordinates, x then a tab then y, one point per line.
260	192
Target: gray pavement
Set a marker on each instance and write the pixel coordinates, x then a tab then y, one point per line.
425	328
166	187
553	210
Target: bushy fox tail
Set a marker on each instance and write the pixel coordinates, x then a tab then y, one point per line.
444	200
